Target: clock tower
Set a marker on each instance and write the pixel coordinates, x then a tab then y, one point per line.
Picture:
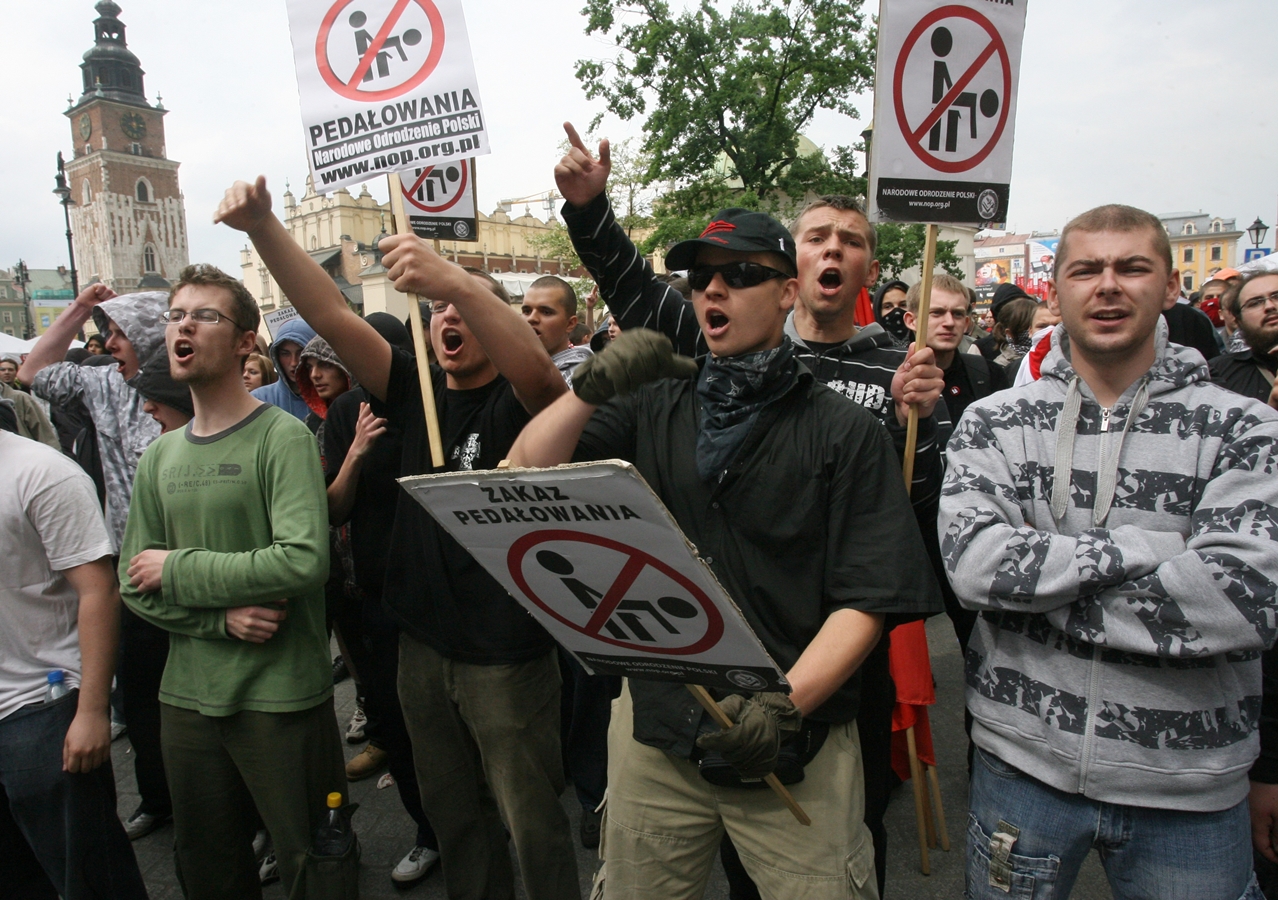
129	220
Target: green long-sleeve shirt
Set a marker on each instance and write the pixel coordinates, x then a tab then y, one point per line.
245	514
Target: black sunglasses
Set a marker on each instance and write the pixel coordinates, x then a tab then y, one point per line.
735	275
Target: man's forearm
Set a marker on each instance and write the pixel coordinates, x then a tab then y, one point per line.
842	644
99	629
551	437
342	492
53	344
512	346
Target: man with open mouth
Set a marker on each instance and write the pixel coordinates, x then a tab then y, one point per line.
478	677
776	479
834	252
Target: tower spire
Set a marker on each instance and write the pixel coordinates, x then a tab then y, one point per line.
109	65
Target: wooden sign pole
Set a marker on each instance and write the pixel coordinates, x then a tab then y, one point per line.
399	222
721	719
920	341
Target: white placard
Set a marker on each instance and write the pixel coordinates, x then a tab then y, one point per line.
945	110
385	85
277	317
595	556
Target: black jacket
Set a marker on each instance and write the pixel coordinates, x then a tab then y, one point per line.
861	368
810	517
1244	373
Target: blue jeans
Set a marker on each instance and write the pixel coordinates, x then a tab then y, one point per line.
1027	840
68	820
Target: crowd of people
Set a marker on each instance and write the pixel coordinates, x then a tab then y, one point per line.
190	519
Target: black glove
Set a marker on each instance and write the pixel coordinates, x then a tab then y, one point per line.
635	358
761	723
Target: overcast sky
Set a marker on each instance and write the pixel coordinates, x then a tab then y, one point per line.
1163	104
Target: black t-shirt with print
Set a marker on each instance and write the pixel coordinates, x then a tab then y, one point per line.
434	588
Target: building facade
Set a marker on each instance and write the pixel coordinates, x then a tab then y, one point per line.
129	218
1202	245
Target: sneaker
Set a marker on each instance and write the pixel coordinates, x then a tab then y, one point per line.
355	730
590	822
340	672
366	764
140	824
415	865
259	843
269	873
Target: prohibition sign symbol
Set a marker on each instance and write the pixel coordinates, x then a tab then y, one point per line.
914	134
410	193
350	88
636	562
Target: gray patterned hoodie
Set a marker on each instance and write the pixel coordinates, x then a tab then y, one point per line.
124	429
1124	610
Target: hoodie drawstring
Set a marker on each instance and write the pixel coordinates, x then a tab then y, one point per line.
1107	474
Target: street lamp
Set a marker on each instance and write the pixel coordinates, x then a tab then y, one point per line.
64	197
21	278
1257	232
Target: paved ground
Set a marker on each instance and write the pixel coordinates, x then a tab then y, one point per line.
386	832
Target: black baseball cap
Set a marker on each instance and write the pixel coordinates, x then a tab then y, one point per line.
742	230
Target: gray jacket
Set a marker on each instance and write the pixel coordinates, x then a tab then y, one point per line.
1124	610
124	430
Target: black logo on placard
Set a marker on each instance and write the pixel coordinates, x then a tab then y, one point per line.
745	680
987	204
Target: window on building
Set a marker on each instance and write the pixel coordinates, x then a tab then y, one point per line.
8	317
135	148
1217	226
143	191
1188	229
265	278
1189	281
1215	253
86	193
314	242
148	258
1189	254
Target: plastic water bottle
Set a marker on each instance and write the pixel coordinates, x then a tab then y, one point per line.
334	835
57	686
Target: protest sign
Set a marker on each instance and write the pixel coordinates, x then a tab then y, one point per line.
385	85
439	201
592	553
945	110
277	317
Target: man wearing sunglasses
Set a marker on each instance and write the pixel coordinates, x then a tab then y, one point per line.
793	497
227	550
834	254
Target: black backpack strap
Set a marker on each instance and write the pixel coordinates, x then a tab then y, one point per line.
978	372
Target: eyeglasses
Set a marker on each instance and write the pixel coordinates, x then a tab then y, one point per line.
200	316
1261	300
735	275
439	307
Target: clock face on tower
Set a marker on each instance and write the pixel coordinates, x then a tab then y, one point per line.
134	126
86	127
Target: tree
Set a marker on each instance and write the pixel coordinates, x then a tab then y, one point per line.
900	248
740	85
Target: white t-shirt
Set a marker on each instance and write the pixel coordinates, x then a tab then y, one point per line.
49	521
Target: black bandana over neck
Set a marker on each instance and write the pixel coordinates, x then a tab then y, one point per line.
733	391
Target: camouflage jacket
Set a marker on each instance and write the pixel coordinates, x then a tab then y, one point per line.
124	430
1123	613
